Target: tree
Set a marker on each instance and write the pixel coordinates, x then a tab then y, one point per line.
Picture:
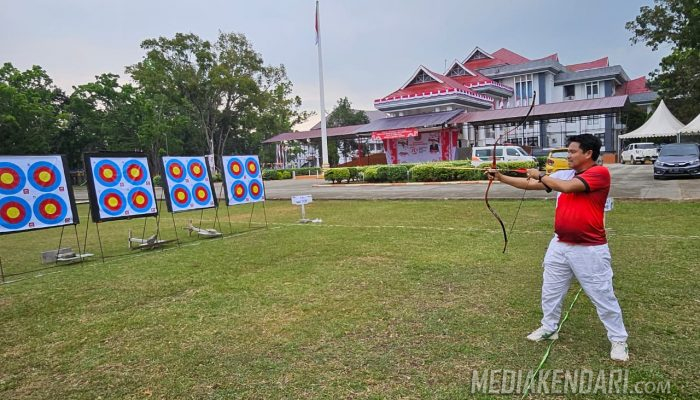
674	22
232	97
344	115
31	115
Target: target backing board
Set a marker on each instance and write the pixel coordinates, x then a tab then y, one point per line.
120	186
187	183
35	194
242	180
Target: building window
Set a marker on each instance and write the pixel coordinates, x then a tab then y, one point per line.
422	77
570	120
569	92
523	89
592	90
592	120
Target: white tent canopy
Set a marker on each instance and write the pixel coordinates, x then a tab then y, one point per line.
661	123
693	128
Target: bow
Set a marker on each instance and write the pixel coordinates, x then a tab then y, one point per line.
493	166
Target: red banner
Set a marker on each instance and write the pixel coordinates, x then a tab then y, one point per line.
395	133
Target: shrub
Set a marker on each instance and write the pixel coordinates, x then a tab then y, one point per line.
216	177
284	174
370	174
392	173
542	162
270	175
354	173
337	175
158	180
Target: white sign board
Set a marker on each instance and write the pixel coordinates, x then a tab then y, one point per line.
301	200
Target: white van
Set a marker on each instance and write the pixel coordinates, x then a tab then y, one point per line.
483	154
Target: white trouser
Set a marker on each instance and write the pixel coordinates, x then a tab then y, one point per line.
591	267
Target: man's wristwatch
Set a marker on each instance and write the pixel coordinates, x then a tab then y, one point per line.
542	175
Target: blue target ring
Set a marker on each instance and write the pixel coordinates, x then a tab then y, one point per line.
112	202
12	178
196	169
44	176
252	167
135	172
239	191
140	200
180	196
175	171
50	209
15	213
201	194
235	168
255	189
107	173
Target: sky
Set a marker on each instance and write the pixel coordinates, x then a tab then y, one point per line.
370	47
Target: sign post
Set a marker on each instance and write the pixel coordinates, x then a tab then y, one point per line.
302	201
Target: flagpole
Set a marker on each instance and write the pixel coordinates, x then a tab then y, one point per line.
324	137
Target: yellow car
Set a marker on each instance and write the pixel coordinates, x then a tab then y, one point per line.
556	160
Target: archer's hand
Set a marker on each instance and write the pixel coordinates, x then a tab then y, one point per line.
493	173
533	173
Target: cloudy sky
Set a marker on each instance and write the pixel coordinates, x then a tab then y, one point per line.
370	47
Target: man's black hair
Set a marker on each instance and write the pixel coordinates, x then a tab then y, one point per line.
587	142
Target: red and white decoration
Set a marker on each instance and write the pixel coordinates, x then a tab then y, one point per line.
425	147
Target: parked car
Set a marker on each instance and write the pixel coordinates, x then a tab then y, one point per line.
639	152
678	159
481	154
556	160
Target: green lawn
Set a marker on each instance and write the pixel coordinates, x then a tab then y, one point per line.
384	299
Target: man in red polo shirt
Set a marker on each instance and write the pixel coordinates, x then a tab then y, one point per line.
579	248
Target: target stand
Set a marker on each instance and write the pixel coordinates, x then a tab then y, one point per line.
243	184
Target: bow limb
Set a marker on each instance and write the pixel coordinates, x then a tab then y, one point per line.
495	214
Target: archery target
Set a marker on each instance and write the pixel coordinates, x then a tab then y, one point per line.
196	170
120	186
12	178
189	183
112	202
201	194
235	168
135	172
175	171
252	167
181	196
34	193
140	200
107	173
50	209
44	176
14	213
243	179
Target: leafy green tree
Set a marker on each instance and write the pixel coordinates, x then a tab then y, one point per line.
344	115
31	116
676	23
233	99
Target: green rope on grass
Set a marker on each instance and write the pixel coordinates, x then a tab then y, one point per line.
551	343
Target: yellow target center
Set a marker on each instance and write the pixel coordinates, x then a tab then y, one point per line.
196	170
140	200
13	212
255	190
113	202
201	194
108	173
44	176
180	196
134	172
177	171
239	191
7	178
252	167
235	168
50	209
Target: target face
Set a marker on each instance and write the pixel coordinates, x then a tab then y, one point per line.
196	170
201	194
239	191
135	172
235	167
175	171
50	209
14	213
252	167
140	200
107	173
181	196
12	178
112	202
255	189
44	176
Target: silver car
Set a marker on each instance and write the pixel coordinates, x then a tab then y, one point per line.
678	159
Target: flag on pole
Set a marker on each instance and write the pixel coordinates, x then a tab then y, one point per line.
316	22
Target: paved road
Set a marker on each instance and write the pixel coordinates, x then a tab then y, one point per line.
629	182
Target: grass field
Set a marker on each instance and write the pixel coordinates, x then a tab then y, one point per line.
384	299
